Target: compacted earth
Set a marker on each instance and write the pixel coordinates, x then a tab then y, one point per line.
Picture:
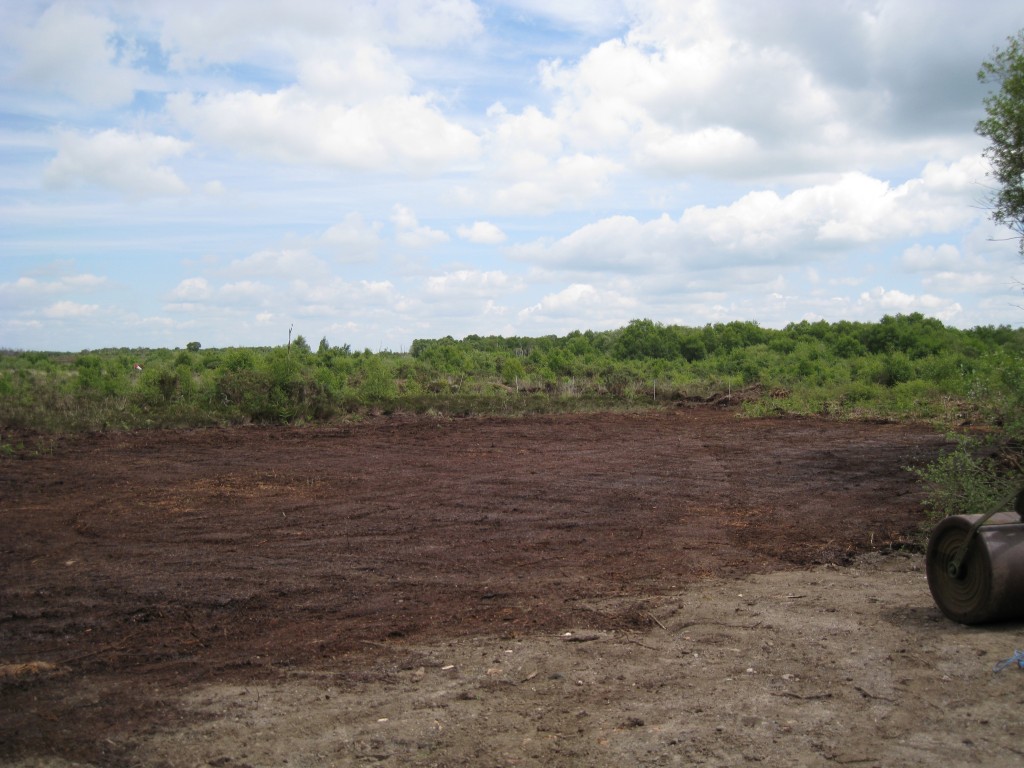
680	587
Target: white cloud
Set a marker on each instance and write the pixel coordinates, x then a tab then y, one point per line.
192	289
26	286
959	283
481	233
854	209
382	289
965	176
663	150
30	286
80	55
469	282
692	96
524	138
921	258
409	232
63	310
760	227
896	300
880	301
126	162
568	182
313	307
616	243
294	125
246	292
286	263
354	238
580	300
337	294
230	30
363	73
745	91
82	282
527	169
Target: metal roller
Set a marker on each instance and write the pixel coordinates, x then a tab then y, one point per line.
975	566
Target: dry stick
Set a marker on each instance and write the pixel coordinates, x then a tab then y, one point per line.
109	647
868	695
643	645
719	624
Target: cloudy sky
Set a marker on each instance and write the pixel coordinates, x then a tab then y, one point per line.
374	172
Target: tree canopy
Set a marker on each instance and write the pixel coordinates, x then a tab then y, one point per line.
1004	128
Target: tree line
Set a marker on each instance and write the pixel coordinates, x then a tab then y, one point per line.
905	366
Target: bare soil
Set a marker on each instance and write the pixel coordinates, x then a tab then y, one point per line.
684	587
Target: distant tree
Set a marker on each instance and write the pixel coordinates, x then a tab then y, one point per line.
647	339
1004	128
691	345
193	346
301	344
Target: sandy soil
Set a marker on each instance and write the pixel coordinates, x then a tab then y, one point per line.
673	588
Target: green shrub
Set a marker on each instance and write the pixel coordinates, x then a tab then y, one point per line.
966	479
244	393
376	383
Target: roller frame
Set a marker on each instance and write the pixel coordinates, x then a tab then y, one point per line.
955	567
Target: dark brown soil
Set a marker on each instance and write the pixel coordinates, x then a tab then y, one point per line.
142	565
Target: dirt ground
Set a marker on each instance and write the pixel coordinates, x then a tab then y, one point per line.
684	587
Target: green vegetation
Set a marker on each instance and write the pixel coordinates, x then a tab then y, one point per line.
1003	126
906	367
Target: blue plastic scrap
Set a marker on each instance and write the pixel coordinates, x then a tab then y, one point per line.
1017	658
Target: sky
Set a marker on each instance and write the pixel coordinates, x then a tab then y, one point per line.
374	172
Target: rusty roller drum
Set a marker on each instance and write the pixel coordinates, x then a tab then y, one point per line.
989	584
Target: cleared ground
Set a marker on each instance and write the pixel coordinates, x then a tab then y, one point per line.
683	587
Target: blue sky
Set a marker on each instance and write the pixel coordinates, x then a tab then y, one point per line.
376	172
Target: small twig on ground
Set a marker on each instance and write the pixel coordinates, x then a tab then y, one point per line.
720	624
644	645
869	695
